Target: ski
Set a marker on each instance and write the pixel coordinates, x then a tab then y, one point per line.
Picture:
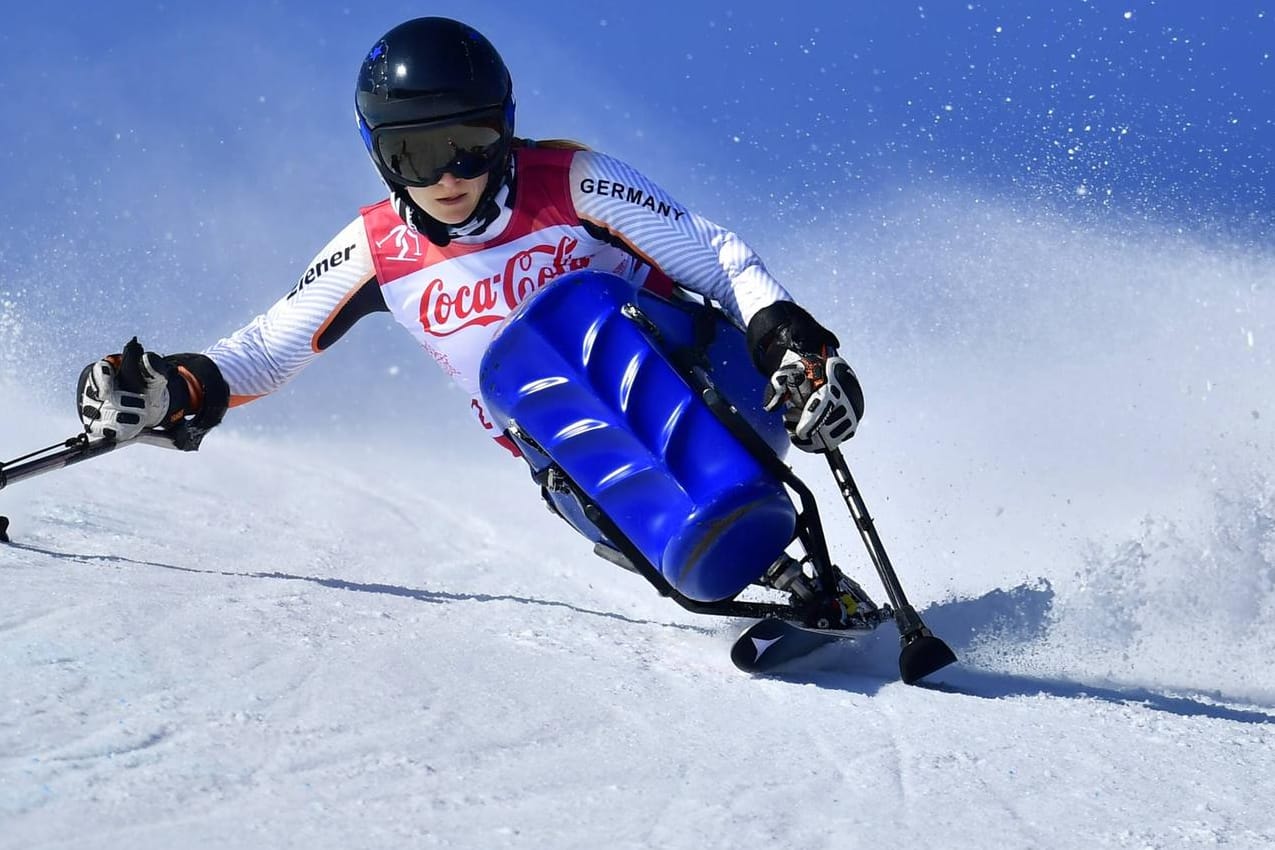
768	645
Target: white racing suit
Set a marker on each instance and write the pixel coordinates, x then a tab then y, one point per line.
570	210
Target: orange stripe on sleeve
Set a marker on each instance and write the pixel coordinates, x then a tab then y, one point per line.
336	311
658	280
623	239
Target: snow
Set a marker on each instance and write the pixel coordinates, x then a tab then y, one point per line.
353	628
315	640
278	643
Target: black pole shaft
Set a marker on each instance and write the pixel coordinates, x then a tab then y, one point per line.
75	451
72	451
908	621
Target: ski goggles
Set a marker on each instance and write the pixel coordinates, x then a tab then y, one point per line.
419	154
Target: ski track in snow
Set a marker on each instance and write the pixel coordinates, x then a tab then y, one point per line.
203	655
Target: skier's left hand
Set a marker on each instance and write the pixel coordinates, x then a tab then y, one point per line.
823	398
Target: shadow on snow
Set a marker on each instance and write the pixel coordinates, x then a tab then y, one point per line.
1014	617
421	595
1018	615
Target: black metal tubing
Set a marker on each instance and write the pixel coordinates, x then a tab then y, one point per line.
76	449
906	618
721	608
908	621
72	451
809	527
57	456
644	568
922	652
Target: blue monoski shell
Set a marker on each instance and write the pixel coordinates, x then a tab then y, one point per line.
591	389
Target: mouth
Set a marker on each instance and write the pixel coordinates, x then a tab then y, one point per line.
451	200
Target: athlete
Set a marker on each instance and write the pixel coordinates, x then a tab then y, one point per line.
476	221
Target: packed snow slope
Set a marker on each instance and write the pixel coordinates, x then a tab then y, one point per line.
1042	233
376	637
283	646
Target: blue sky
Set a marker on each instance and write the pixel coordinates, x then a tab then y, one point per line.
1134	97
1150	101
172	166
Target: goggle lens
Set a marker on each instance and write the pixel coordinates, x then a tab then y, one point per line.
419	155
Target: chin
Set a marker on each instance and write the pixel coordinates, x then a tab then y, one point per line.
450	216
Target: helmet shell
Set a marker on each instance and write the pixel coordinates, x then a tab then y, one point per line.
430	69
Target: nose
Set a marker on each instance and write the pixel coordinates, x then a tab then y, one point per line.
448	180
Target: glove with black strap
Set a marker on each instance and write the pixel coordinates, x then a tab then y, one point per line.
821	395
122	395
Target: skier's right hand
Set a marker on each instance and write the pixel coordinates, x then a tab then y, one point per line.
121	395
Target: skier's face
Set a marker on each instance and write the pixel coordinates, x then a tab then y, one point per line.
450	200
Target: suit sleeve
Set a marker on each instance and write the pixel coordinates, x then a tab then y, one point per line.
334	291
696	253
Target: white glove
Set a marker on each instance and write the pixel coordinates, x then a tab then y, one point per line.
112	413
823	399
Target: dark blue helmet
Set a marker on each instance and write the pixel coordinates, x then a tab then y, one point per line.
433	95
431	69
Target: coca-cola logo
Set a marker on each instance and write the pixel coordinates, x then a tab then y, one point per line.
445	311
